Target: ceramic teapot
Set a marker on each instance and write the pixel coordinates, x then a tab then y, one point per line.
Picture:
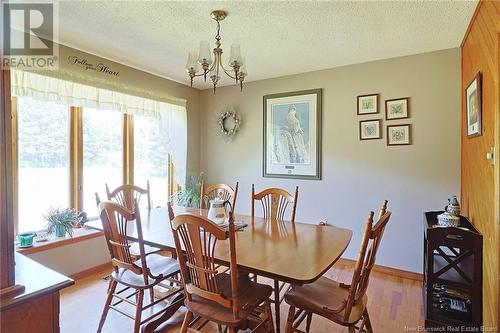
217	211
453	206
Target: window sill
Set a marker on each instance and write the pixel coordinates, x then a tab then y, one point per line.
79	235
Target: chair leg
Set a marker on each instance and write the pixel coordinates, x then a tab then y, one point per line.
289	320
277	304
308	322
109	284
138	310
111	291
351	329
232	330
152	295
187	320
369	328
362	325
219	328
269	316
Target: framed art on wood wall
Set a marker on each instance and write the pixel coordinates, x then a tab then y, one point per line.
474	107
370	129
367	104
292	135
399	135
397	108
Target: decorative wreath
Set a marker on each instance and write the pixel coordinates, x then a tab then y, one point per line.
222	123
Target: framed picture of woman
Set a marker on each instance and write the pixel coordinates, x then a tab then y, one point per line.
292	135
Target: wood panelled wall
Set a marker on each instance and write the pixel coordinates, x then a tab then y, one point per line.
480	184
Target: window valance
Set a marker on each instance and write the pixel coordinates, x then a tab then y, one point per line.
48	88
172	118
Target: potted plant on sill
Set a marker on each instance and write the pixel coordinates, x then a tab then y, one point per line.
189	196
61	221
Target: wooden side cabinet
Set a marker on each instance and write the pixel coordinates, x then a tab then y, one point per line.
36	307
453	265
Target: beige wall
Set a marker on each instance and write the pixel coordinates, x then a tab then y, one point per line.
357	175
76	257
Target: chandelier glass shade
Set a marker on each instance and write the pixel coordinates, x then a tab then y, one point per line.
211	60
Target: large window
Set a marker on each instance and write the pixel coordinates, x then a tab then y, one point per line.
67	154
151	158
43	155
102	155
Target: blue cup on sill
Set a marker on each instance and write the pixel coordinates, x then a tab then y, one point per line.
26	239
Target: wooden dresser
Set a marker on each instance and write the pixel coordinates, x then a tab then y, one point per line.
36	308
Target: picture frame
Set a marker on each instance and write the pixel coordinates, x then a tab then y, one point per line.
368	104
370	129
292	134
397	108
473	105
399	135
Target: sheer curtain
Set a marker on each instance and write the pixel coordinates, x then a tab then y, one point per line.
172	117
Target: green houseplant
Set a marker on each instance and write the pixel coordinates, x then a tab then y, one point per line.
61	221
189	196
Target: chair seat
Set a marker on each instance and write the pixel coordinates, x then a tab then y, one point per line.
156	263
251	295
324	296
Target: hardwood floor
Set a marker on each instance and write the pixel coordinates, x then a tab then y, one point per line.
394	303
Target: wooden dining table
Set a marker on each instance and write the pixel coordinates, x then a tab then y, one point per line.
292	252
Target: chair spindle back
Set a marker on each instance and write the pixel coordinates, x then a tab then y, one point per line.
367	256
218	191
115	220
126	194
275	202
198	236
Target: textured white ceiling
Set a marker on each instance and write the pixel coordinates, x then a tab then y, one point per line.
277	38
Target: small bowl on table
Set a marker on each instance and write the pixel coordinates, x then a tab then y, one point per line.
41	236
448	220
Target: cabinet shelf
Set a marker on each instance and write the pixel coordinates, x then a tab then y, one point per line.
452	275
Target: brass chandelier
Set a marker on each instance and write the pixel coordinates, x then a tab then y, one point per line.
213	68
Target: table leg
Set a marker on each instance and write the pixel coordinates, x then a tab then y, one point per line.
151	326
277	304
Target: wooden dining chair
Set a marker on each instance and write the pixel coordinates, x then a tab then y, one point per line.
136	276
343	304
127	193
134	246
275	203
226	299
218	191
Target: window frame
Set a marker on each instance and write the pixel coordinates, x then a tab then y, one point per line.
75	155
76	158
